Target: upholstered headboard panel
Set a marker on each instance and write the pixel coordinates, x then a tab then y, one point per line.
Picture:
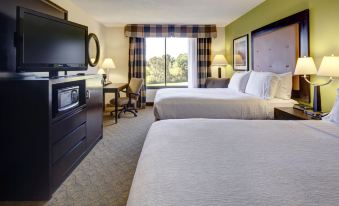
276	51
277	46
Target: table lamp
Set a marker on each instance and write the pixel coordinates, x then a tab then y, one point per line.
103	73
219	60
108	64
329	67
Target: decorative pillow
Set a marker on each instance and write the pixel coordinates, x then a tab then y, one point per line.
262	84
333	116
284	89
239	81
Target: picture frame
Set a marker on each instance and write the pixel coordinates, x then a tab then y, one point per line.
241	53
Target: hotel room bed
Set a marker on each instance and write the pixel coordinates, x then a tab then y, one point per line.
219	162
214	103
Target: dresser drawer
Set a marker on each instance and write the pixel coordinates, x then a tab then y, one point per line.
66	164
68	142
63	127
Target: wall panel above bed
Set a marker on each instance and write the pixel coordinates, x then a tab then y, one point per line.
277	51
277	46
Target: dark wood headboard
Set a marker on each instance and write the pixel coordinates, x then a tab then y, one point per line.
277	46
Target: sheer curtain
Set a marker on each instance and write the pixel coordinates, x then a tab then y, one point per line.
192	64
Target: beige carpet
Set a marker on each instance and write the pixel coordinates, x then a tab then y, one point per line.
104	177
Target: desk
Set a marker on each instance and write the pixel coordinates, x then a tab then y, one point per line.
114	88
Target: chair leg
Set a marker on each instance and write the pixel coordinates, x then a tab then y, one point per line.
126	108
119	114
131	111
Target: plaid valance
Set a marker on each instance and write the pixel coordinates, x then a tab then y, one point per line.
170	30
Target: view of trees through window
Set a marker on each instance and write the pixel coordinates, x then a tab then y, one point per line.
167	62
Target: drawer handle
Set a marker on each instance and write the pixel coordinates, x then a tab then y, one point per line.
88	94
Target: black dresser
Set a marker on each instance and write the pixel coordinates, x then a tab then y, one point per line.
40	147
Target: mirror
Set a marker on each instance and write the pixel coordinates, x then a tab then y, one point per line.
93	50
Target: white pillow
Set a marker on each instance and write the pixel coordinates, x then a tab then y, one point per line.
238	81
284	89
333	116
262	84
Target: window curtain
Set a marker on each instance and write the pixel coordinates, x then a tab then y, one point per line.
138	32
204	60
170	30
192	64
137	65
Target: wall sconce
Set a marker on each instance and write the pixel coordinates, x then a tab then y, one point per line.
329	67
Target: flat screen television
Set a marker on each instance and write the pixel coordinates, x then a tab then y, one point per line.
49	44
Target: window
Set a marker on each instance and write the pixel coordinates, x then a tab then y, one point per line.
167	62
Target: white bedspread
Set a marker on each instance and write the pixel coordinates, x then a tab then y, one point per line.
213	103
238	163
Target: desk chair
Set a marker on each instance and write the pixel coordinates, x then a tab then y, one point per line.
129	103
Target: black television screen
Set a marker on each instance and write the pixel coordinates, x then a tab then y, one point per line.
48	43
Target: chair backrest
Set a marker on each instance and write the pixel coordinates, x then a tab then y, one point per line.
135	85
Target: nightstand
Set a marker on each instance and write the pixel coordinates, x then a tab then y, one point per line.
289	113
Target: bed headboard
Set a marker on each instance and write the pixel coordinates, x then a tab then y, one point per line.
276	51
277	46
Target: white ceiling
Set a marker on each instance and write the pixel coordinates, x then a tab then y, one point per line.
121	12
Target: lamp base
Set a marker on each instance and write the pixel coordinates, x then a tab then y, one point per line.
107	82
314	115
219	72
316	99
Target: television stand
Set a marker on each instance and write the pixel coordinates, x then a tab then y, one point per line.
53	74
41	146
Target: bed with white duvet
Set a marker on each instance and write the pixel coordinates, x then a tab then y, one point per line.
251	95
216	103
238	162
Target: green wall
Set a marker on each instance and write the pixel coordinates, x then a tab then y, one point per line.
324	32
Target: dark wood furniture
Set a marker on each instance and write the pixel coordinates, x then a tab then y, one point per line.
114	88
289	113
39	147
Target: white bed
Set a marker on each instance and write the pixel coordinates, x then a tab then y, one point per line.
214	103
219	162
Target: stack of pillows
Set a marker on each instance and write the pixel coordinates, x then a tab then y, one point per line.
268	85
265	85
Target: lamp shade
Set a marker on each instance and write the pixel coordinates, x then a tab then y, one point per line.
239	61
329	66
108	64
219	60
305	65
101	71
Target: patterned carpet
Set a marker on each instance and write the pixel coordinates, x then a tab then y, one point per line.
104	177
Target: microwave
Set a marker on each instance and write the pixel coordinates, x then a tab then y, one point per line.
68	98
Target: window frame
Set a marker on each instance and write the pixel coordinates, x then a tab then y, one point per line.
162	87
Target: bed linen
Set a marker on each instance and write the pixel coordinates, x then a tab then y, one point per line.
237	162
214	103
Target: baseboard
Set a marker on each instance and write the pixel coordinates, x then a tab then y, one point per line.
149	103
